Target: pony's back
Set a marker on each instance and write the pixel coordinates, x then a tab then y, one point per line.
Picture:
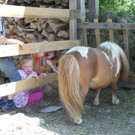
117	52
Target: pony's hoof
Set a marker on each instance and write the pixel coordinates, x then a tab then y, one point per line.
116	102
78	122
96	102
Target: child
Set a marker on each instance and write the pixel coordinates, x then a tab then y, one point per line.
50	64
40	60
6	64
27	97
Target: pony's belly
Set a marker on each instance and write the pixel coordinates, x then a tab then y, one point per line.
94	83
98	83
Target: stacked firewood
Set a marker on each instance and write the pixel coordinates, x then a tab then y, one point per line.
37	3
31	30
36	29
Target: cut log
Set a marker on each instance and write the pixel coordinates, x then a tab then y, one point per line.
49	29
63	34
11	27
59	39
29	20
64	20
41	37
29	37
45	33
57	27
33	25
51	37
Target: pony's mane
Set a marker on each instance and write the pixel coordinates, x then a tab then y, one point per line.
81	49
115	50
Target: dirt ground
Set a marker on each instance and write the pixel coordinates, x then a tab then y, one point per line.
105	119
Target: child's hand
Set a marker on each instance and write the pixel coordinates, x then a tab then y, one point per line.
36	77
33	76
22	44
43	74
55	70
45	41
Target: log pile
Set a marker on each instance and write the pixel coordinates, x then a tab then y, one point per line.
37	29
38	3
31	30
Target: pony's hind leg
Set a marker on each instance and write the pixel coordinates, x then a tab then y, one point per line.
78	118
96	100
114	90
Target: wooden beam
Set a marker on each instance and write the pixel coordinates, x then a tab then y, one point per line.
73	21
35	12
127	85
93	10
82	34
74	14
120	26
126	45
13	87
14	49
97	33
111	32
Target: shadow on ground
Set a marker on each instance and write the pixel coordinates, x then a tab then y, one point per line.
105	119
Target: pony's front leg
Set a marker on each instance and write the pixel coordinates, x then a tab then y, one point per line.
96	100
114	90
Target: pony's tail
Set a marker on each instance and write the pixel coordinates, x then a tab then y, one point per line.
125	66
69	85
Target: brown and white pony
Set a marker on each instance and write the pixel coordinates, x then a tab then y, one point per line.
82	68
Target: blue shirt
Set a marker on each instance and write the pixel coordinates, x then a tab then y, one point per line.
2	29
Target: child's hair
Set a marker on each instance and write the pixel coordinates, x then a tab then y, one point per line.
25	59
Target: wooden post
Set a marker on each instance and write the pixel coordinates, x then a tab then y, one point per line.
111	32
93	10
97	33
82	34
125	35
73	22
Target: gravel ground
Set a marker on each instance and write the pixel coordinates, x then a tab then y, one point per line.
105	119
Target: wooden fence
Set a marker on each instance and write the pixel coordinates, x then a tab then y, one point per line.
73	13
12	50
110	26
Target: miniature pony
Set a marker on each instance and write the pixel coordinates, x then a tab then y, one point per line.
82	68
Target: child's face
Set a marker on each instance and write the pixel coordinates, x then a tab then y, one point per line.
41	54
3	1
50	54
27	67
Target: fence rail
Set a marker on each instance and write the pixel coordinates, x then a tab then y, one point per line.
110	26
118	26
13	50
13	87
34	12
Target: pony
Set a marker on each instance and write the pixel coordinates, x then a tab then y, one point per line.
83	67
